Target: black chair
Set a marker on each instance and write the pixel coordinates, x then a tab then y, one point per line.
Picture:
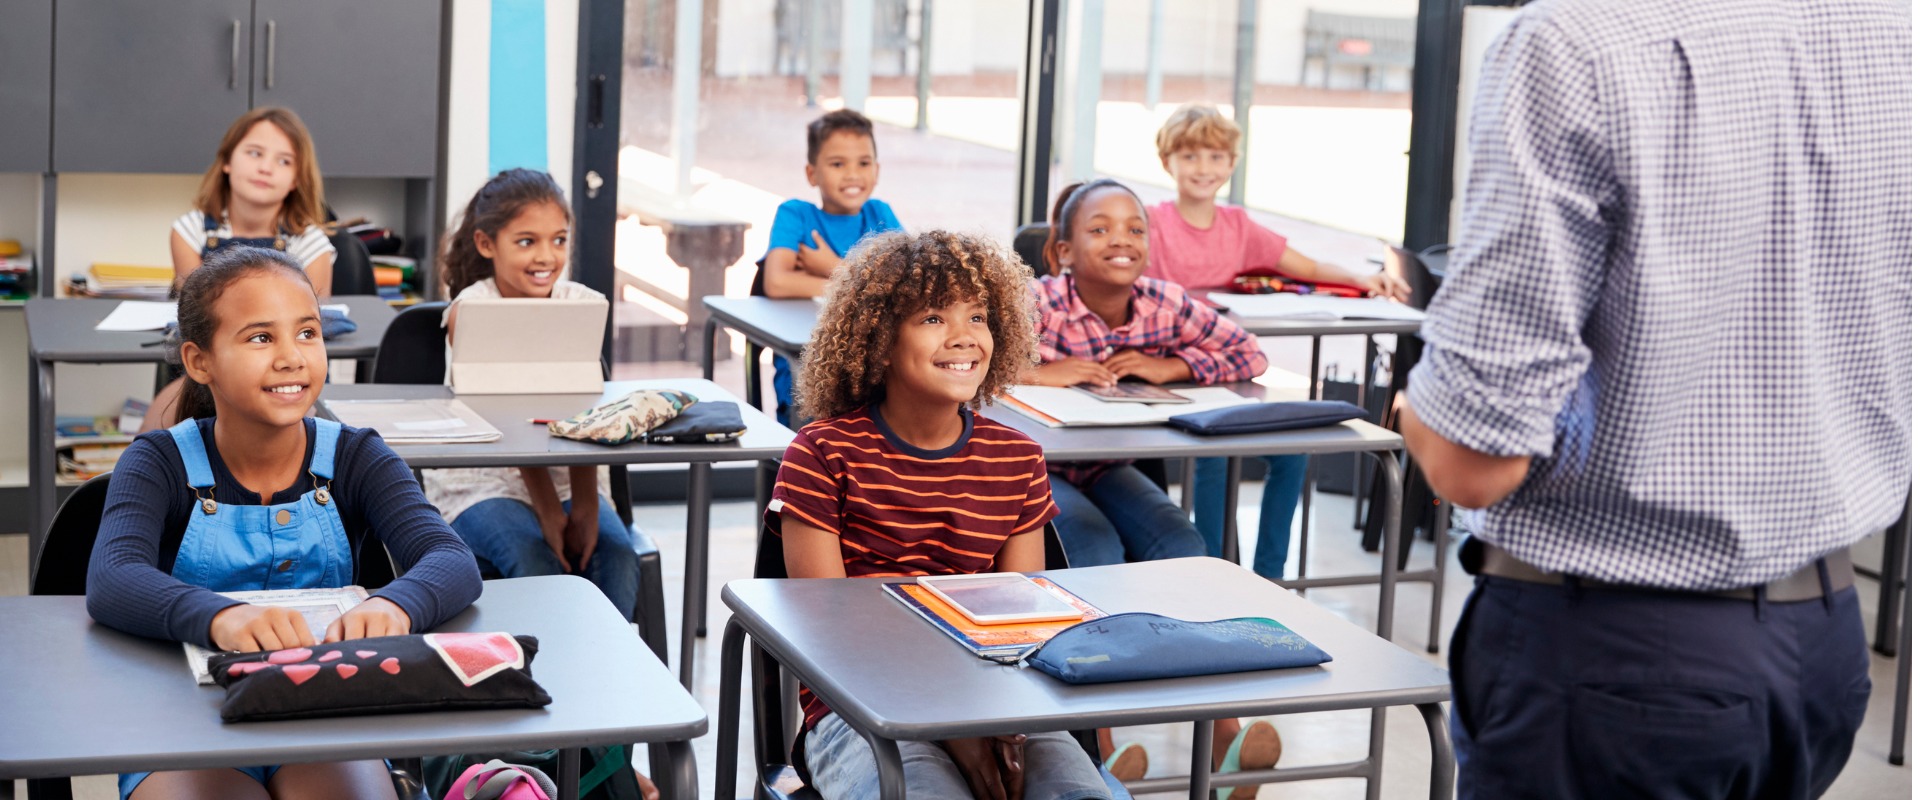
1422	271
772	710
352	266
1030	244
414	350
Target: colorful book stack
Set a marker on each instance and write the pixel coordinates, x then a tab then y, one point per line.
123	281
16	271
393	279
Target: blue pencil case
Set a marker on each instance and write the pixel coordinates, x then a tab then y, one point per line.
1139	647
1263	417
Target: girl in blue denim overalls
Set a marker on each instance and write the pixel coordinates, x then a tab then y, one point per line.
263	189
186	517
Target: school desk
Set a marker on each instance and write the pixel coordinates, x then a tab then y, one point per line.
60	330
523	444
858	670
84	699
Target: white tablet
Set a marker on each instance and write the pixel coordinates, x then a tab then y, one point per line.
998	598
528	346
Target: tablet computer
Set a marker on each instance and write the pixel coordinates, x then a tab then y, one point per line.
1132	392
527	346
999	598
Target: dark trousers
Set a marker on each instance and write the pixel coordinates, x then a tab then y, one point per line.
1568	692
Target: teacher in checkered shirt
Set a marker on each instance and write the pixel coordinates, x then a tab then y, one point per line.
1673	363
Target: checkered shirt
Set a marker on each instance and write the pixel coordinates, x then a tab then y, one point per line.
1684	286
1163	322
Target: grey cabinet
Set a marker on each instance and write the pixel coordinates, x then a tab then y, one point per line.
26	83
143	86
363	74
147	87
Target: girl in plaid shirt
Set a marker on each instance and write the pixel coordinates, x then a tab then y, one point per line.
1101	321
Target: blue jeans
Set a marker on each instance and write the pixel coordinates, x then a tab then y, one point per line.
843	767
505	537
1286	477
1121	517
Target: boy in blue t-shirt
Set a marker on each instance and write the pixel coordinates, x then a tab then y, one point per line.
809	240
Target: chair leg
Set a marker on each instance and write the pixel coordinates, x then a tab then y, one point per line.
650	607
1903	686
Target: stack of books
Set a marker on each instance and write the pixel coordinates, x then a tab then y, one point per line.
393	279
123	281
16	271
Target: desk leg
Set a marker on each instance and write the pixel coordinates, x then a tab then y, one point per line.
1201	770
1441	786
1376	750
727	748
569	779
1363	383
707	356
1390	550
40	463
50	789
1230	521
682	777
1893	587
1186	485
753	375
1442	541
693	615
893	773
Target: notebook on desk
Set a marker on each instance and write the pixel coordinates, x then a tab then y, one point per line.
527	346
1056	407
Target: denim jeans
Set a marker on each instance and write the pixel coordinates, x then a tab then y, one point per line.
505	537
843	767
1286	477
1121	517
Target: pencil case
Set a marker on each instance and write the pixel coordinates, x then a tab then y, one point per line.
705	421
625	419
382	675
1139	647
1263	417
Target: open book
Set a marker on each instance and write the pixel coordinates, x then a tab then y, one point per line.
1056	407
1314	307
319	607
436	420
1002	643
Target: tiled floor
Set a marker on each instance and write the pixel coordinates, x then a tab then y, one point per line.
1309	738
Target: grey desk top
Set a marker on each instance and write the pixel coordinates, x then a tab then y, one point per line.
786	325
1161	441
525	444
83	699
897	676
61	329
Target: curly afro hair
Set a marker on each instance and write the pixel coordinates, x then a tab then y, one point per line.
890	276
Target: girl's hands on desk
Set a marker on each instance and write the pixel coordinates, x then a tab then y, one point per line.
249	628
1388	285
582	535
1148	368
994	766
377	616
1070	372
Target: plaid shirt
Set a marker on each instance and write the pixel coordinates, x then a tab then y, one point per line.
1684	286
1162	321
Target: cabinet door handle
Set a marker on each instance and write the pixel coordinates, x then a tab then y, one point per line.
233	61
271	37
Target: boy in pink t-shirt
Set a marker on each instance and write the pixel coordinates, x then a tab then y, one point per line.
1200	244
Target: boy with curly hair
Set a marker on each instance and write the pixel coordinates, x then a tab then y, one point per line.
897	477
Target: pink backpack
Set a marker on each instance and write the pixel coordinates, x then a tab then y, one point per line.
499	780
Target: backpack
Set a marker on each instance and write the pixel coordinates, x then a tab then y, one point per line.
499	780
606	772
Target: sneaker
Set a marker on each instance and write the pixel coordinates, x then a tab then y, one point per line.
1129	763
1257	747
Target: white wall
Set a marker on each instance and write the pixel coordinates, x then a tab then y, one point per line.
467	104
116	218
744	43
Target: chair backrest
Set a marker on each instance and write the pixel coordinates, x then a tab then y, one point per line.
414	349
62	568
1030	244
1417	272
352	266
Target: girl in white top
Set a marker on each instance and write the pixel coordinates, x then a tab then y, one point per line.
512	242
262	190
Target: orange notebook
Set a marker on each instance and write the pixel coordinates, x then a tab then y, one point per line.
1003	643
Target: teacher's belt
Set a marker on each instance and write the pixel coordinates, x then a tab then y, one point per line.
1803	584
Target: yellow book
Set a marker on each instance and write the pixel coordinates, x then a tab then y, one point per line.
132	272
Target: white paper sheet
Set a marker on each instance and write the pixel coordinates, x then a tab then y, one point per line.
138	315
1314	306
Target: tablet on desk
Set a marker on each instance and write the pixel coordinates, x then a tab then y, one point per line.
1130	392
528	346
999	598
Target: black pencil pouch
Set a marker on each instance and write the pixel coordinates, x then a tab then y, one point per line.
1263	417
382	675
702	422
1139	647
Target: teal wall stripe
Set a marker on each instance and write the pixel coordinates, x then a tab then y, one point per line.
517	86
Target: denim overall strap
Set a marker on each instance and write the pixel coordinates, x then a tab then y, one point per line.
215	244
326	439
193	453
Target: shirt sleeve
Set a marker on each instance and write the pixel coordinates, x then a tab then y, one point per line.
191	228
438	575
1504	346
1264	246
790	227
1048	323
310	245
1214	347
808	488
126	590
1039	507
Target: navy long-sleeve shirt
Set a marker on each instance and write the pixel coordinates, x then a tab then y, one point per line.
130	583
